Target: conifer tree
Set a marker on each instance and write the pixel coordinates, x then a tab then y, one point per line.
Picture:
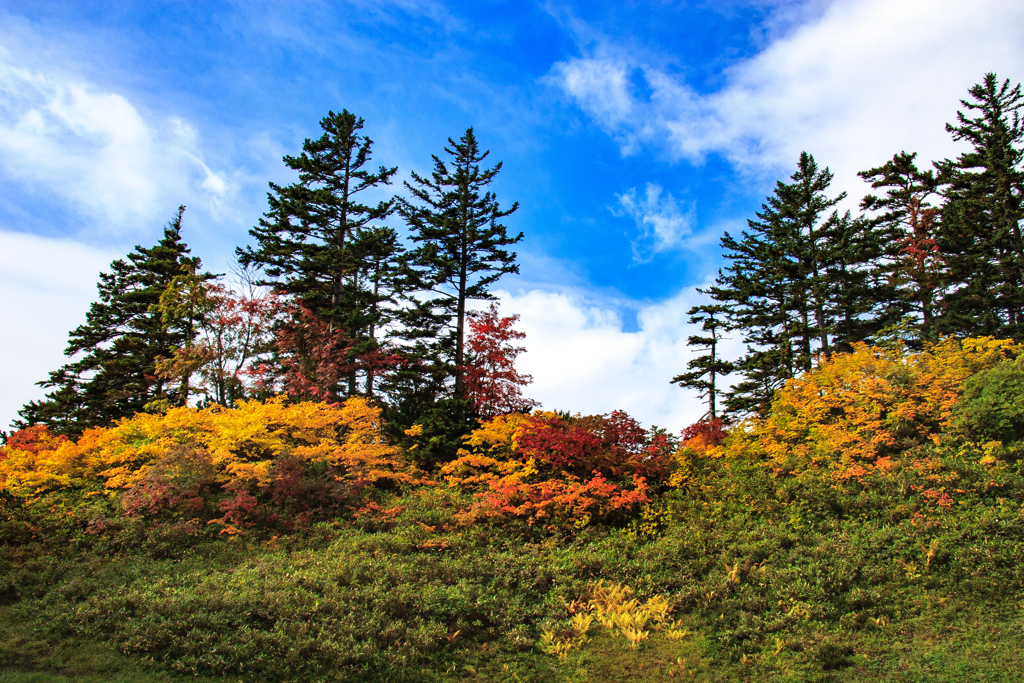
856	302
907	269
116	352
980	233
318	243
705	371
460	252
792	275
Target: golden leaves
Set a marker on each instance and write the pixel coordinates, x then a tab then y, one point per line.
243	444
857	408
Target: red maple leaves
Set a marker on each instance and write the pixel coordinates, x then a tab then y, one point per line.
490	378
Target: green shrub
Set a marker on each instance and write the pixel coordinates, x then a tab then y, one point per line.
992	406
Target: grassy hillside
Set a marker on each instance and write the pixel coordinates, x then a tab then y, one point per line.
755	562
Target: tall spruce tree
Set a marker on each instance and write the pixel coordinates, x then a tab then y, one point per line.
460	252
791	284
115	353
706	370
907	270
755	293
855	302
980	233
317	242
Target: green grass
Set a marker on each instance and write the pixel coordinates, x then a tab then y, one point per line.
777	580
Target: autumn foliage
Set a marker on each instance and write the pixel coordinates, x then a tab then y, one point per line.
300	456
278	461
849	415
558	471
491	379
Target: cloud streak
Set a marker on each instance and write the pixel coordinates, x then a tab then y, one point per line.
661	224
858	83
65	140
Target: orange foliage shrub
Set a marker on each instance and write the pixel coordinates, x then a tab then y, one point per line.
37	460
173	458
554	471
857	408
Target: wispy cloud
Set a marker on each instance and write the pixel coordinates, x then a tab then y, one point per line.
661	224
68	141
858	82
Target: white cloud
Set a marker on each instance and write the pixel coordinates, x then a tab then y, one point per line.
661	224
602	87
47	286
861	81
583	361
64	139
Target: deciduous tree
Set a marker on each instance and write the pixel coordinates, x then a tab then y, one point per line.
492	382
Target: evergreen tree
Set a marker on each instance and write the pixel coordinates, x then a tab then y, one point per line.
116	352
908	268
755	295
792	283
705	370
460	252
319	245
980	232
381	282
856	303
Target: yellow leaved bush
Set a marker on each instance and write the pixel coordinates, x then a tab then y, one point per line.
242	445
855	408
35	459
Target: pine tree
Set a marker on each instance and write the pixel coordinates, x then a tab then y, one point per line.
908	268
791	283
857	305
381	280
318	244
113	374
705	370
460	253
980	234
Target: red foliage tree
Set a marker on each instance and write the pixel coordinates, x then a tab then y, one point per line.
491	379
237	333
314	356
704	434
317	360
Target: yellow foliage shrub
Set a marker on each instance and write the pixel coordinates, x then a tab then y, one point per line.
242	445
857	407
39	461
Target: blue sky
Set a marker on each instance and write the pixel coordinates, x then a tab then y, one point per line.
632	134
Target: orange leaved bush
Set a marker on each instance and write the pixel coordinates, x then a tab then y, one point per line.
271	450
556	471
855	409
36	459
